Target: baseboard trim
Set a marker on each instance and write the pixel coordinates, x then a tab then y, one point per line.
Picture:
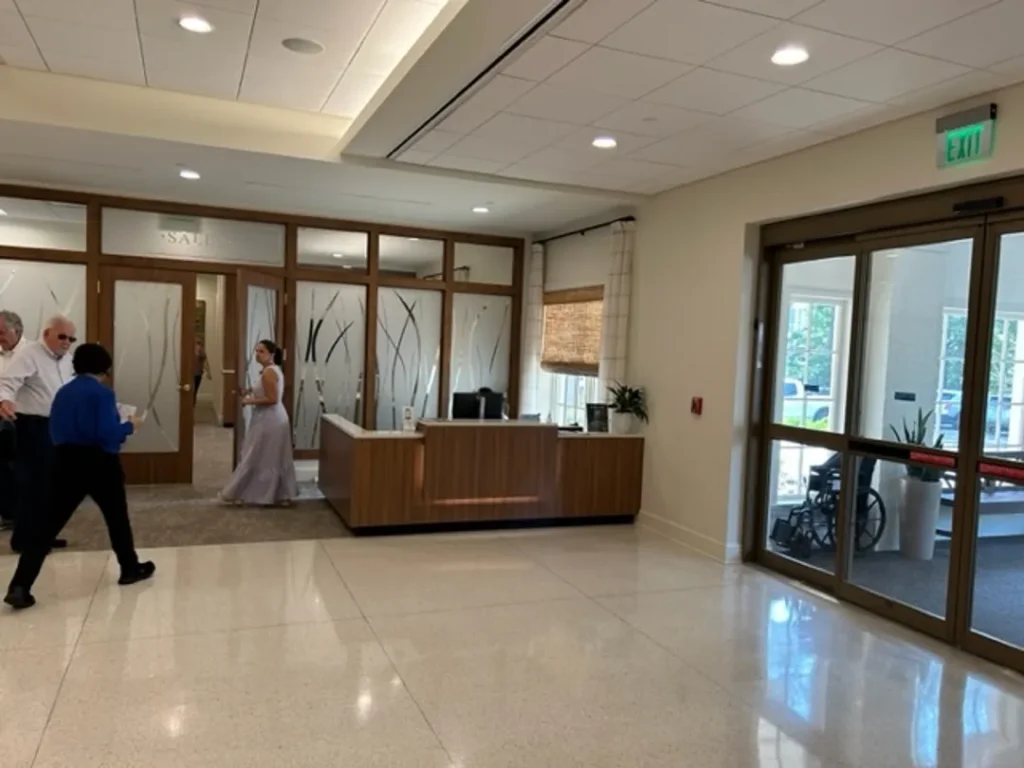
705	545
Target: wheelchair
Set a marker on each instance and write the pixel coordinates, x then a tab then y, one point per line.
812	524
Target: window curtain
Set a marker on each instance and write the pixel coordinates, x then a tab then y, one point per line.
615	319
533	333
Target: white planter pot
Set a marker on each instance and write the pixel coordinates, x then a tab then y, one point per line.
919	516
620	423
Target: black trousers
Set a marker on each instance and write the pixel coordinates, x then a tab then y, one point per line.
78	471
32	467
8	491
196	381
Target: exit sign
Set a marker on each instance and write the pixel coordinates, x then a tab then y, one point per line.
966	136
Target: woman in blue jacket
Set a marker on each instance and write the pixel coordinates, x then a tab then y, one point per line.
87	434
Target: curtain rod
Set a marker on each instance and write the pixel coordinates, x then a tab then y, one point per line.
585	229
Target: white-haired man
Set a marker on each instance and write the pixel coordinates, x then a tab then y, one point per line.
12	338
28	385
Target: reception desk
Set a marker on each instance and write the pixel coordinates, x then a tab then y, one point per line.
458	473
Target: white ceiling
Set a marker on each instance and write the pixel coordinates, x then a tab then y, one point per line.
54	156
139	42
688	89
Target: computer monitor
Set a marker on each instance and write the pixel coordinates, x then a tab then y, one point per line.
478	405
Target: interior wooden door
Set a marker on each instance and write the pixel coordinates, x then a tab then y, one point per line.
147	321
260	312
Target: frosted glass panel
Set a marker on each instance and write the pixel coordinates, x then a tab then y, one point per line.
484	264
37	291
330	248
481	342
138	233
331	336
411	257
261	323
408	354
147	360
41	224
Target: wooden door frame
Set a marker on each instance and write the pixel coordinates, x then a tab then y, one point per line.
148	468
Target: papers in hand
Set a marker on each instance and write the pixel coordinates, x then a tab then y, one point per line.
126	411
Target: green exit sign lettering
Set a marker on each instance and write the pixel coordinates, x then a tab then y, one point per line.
966	137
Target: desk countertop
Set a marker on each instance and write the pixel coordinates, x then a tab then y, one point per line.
354	430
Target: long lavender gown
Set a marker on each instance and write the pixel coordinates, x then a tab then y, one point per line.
266	473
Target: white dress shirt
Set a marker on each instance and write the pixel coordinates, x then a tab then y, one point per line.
8	356
32	377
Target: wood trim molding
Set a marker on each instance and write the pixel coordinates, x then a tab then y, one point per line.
575	295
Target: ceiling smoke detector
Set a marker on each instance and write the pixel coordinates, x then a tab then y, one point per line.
197	24
302	46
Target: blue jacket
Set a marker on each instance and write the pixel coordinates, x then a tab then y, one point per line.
85	413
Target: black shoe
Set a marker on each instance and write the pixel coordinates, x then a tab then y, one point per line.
19	598
59	544
141	572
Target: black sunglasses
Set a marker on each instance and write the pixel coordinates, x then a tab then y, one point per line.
65	337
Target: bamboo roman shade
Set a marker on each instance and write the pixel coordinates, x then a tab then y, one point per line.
572	331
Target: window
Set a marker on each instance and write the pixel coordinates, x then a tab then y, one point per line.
569	397
1004	425
571	342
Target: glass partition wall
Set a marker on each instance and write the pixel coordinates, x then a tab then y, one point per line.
374	318
888	406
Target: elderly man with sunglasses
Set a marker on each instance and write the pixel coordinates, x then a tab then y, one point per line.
27	388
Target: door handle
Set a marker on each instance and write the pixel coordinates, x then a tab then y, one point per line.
184	387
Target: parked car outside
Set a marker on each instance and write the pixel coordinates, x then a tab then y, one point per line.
801	408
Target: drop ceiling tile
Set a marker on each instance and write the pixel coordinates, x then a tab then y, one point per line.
647	119
980	40
885	75
798	108
525	130
566	105
159	18
666	181
545	58
485	103
967	86
777	9
617	73
398	26
596	19
289	85
323	14
488	148
690	32
115	70
354	91
579	158
240	6
707	90
22	58
7	5
783	145
177	66
340	43
436	141
112	14
581	140
72	41
707	142
827	52
13	31
416	157
471	164
886	21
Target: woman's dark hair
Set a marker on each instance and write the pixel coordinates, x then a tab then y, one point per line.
91	359
275	351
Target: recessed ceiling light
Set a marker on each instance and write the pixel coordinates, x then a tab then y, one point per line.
338	255
790	55
414	239
481	209
303	46
605	142
3	212
188	173
197	24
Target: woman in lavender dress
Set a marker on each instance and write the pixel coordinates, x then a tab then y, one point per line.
265	475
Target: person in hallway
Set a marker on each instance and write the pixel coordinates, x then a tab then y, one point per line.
12	339
27	388
266	474
200	368
87	434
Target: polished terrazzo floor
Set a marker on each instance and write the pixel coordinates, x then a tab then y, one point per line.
596	648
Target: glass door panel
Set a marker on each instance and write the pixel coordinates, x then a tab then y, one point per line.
813	348
260	317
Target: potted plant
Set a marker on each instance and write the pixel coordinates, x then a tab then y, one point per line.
627	405
921	494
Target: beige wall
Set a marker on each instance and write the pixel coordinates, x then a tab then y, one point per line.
693	299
